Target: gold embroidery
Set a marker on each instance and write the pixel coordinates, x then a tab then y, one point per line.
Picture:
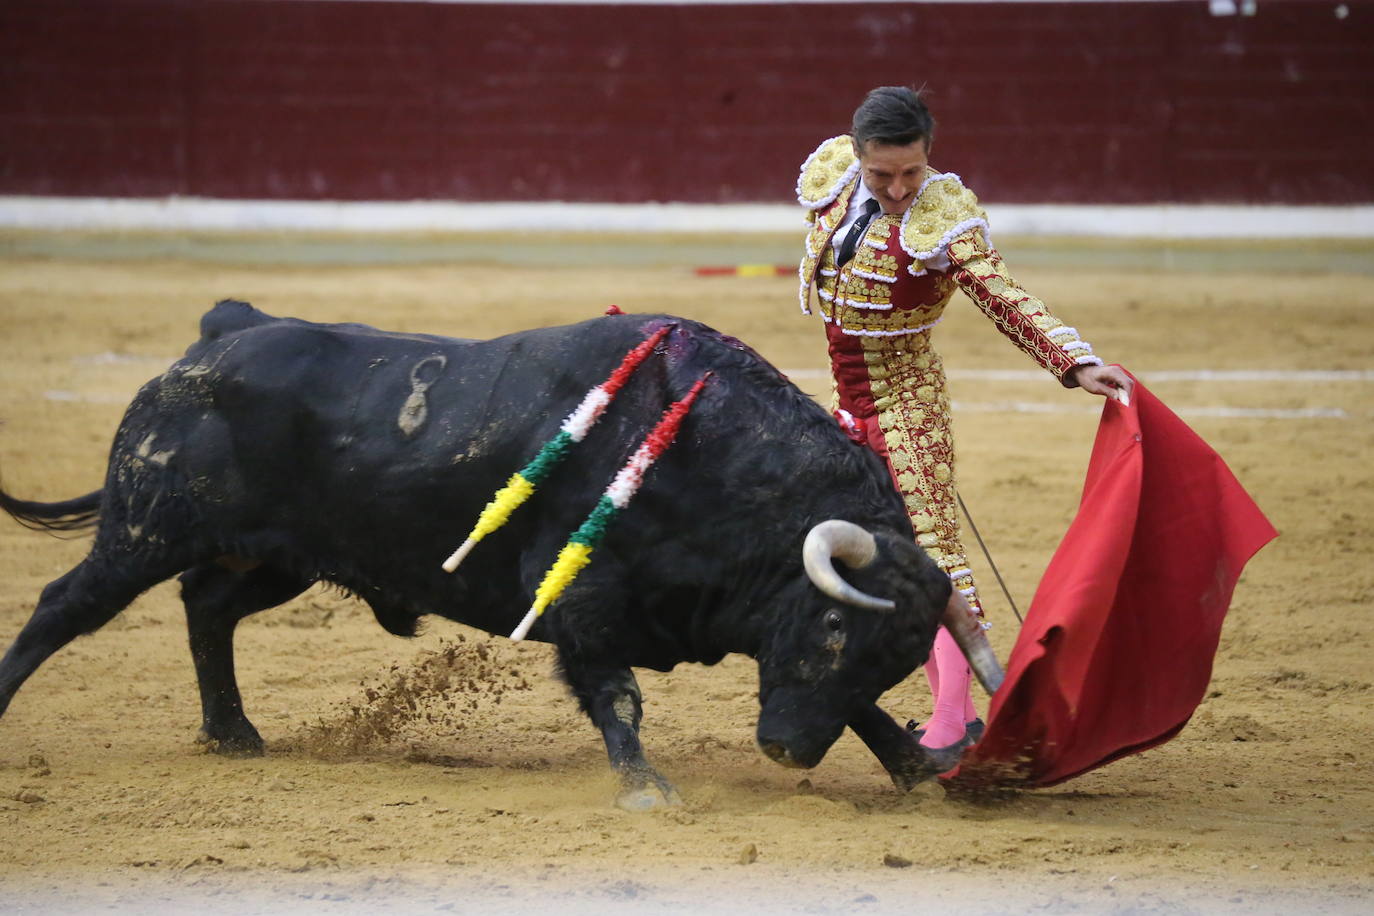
944	206
824	170
1019	315
820	255
848	287
907	380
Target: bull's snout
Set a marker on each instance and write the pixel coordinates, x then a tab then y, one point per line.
794	749
777	752
796	728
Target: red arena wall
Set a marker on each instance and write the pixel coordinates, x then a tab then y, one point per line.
1070	102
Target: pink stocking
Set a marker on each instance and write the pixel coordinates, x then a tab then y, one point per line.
951	686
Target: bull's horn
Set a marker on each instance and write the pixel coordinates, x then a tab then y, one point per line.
835	539
963	625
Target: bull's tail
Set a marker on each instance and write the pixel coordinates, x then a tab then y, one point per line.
70	515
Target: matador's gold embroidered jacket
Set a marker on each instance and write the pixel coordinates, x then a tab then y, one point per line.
879	310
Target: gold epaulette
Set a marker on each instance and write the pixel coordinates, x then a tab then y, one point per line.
826	172
943	211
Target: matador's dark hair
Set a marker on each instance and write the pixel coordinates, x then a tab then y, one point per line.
893	116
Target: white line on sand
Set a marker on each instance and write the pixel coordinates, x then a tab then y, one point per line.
991	375
1162	375
1238	413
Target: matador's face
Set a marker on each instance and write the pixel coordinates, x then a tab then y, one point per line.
893	174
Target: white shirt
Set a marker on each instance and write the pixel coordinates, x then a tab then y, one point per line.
856	209
851	216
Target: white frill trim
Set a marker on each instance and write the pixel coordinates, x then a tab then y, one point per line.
867	276
1081	350
906	217
803	296
939	249
870	306
881	246
834	192
856	332
938	176
960	573
827	272
824	296
949	236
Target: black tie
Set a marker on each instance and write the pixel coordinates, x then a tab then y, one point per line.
851	241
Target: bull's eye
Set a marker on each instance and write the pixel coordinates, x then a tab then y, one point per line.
834	620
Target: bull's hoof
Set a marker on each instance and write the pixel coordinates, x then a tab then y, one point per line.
921	763
647	798
233	744
642	788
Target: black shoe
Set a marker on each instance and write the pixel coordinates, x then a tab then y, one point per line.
973	731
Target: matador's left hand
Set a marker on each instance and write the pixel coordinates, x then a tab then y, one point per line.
1103	380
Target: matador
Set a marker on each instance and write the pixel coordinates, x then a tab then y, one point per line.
891	239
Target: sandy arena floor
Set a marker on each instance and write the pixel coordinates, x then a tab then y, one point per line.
495	795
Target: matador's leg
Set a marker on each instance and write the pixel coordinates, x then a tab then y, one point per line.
913	411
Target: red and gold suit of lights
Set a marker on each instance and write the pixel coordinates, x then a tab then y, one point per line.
879	310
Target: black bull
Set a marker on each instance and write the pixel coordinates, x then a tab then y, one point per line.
278	453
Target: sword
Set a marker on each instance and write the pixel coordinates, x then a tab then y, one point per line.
974	528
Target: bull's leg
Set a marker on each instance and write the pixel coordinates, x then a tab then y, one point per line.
216	600
82	601
611	699
906	760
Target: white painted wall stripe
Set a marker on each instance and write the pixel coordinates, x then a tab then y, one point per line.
1166	221
983	375
751	2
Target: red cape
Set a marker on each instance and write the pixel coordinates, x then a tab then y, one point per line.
1117	647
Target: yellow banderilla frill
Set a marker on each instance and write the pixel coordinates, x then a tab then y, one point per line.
515	492
571	559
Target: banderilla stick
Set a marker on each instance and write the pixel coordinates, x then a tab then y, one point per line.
995	571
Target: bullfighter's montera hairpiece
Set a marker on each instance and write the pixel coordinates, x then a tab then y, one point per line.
574	429
577	553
